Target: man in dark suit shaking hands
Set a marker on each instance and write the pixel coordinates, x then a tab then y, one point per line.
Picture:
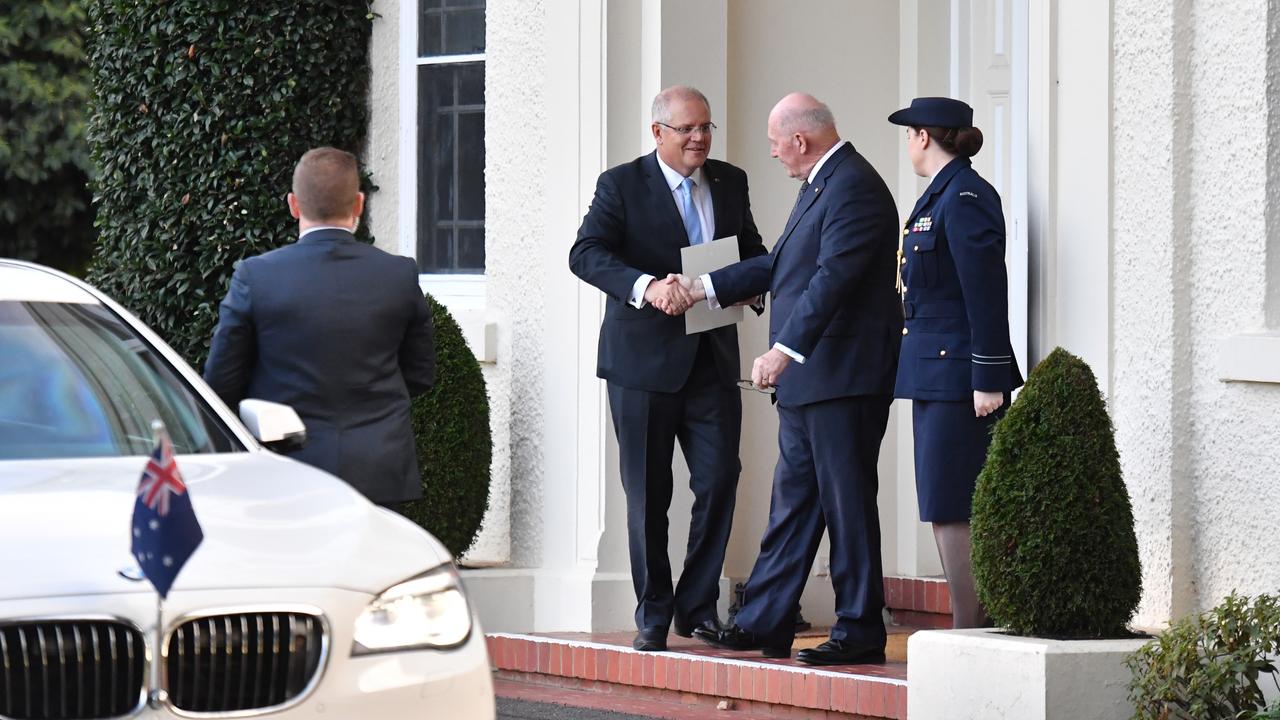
337	329
834	333
665	385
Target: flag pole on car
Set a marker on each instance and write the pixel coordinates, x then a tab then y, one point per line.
166	534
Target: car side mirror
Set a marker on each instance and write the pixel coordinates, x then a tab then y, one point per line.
276	426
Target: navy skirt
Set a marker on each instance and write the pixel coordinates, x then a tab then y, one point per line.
950	448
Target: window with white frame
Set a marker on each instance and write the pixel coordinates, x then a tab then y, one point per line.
450	137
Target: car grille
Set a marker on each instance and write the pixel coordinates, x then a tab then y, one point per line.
245	661
70	669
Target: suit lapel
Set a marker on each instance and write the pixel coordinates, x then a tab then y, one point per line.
663	201
812	194
712	179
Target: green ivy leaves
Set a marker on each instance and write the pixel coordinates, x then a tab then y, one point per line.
201	109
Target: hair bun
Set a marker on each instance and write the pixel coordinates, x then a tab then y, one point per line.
968	141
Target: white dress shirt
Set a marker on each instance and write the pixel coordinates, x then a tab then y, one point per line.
314	228
701	203
706	279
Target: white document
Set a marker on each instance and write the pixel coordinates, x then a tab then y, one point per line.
701	259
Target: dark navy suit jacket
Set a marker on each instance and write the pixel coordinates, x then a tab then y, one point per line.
830	279
633	227
957	292
340	331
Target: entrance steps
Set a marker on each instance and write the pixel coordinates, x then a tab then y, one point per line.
701	679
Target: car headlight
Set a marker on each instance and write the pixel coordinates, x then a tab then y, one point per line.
429	611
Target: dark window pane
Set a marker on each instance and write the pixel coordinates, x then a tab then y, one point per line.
471	249
464	31
450	168
445	259
471	84
463	3
441	156
428	139
430	29
471	166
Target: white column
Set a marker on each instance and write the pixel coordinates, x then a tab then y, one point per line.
1151	212
924	60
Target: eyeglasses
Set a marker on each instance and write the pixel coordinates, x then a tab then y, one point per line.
748	385
705	128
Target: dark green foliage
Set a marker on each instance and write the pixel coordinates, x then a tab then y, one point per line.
202	108
451	423
1207	667
45	210
1054	551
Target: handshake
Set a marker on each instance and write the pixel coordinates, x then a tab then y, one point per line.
676	294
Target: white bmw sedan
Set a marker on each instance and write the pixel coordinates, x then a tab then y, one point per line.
304	600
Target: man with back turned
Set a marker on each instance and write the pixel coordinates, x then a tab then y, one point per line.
335	328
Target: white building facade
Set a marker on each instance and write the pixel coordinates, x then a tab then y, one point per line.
1137	150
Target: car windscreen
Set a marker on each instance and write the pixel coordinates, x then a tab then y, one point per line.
76	381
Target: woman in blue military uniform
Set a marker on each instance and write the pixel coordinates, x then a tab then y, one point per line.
956	364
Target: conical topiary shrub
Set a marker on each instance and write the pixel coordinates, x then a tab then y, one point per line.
1054	552
451	427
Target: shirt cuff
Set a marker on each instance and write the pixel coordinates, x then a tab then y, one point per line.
710	289
789	352
637	290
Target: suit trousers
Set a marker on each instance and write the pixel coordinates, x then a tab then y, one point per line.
825	479
705	415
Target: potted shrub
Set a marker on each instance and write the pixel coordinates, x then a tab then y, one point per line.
1213	666
451	424
1055	559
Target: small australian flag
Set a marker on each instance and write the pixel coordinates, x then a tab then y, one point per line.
165	529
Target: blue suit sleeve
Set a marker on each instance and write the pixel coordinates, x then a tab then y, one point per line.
850	230
743	279
975	232
417	350
233	351
596	254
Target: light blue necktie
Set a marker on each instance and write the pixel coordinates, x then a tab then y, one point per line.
692	223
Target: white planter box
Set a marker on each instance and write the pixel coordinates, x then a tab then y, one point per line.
981	674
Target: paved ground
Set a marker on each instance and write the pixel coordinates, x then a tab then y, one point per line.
511	709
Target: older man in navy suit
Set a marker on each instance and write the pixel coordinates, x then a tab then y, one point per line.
834	333
665	385
335	328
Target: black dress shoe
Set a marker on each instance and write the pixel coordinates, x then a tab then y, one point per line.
712	626
735	638
842	652
651	639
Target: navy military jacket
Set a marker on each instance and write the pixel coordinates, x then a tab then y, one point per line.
956	294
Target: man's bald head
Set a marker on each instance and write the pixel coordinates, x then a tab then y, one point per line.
326	184
803	113
801	131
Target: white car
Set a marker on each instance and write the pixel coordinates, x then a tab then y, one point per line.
304	600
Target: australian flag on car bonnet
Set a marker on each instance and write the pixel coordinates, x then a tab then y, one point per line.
165	529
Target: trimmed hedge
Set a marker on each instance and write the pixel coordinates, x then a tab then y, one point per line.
201	110
1208	666
1054	550
45	210
451	424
